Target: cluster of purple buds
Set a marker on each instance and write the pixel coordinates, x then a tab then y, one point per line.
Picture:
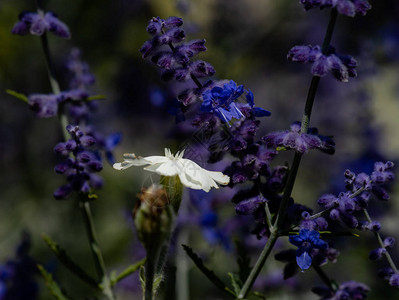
80	165
340	66
350	290
300	142
346	7
359	188
47	105
82	77
37	23
175	60
174	57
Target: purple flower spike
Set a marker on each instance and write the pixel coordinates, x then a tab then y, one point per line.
301	142
345	7
306	240
341	66
38	24
44	106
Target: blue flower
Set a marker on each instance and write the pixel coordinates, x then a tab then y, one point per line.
220	100
306	240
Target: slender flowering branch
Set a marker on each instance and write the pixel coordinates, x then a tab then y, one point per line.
304	125
84	205
381	242
292	172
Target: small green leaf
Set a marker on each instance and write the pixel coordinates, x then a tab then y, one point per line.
142	279
17	95
51	284
235	282
208	273
259	295
68	263
95	97
128	271
157	282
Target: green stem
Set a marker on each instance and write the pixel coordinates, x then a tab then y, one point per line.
381	242
150	267
95	249
84	205
258	266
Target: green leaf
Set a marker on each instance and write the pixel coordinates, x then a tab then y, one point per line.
68	263
96	97
128	271
17	95
235	282
142	279
157	282
51	284
259	295
208	273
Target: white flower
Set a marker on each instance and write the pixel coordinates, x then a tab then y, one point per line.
190	174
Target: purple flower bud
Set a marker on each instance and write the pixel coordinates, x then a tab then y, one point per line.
175	35
44	106
320	66
374	226
173	22
148	47
337	68
155	26
328	201
249	206
346	7
181	74
188	50
394	280
87	141
84	156
62	192
56	26
61	149
62	168
201	68
389	242
380	193
95	165
164	59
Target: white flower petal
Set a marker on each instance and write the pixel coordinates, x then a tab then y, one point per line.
191	174
166	169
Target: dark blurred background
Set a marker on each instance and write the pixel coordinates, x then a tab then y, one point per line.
247	41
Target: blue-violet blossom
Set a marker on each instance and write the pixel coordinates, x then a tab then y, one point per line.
306	240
